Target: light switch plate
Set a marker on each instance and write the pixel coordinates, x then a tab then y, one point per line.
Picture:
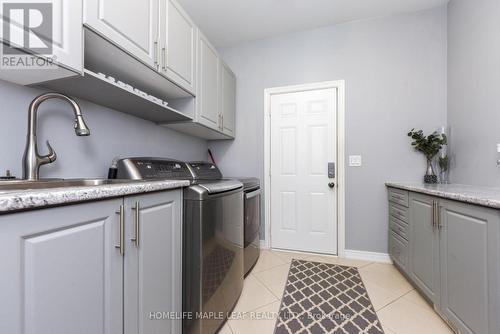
355	161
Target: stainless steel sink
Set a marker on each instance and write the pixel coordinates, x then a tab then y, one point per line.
56	183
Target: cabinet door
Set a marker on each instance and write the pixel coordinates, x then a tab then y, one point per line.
66	40
470	267
398	250
424	245
228	99
130	24
208	84
61	272
153	263
178	49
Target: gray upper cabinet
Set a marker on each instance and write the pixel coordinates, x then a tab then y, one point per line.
153	262
227	99
61	271
178	45
208	88
130	24
424	245
470	267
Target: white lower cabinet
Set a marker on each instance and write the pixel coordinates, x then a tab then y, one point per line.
63	269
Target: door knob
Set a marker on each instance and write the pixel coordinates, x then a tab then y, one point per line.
331	185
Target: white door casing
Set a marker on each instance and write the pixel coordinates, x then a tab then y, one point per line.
303	142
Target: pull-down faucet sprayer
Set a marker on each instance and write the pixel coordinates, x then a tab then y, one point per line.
32	160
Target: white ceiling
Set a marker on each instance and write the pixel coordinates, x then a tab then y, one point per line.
228	22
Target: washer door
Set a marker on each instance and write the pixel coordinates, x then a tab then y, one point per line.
252	216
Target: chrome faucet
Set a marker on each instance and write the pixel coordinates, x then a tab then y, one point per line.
32	160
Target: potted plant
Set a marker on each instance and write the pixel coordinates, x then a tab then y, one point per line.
430	146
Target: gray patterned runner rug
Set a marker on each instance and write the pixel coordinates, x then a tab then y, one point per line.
325	298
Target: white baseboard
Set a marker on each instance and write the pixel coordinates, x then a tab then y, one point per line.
352	254
367	256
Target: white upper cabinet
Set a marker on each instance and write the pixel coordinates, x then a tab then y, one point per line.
130	24
227	99
68	34
215	96
178	45
208	89
64	38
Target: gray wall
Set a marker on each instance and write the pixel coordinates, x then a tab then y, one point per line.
395	72
112	134
474	90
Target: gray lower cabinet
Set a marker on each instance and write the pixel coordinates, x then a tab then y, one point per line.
453	257
63	270
470	267
153	267
424	245
398	249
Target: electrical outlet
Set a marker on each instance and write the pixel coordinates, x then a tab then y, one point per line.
355	161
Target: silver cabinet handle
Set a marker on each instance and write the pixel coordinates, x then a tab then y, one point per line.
433	214
164	58
155	51
438	217
121	245
137	210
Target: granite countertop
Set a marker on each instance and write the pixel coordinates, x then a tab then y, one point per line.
484	196
16	200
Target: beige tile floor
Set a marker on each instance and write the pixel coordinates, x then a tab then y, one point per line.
400	308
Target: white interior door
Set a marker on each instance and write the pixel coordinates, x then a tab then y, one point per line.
303	142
